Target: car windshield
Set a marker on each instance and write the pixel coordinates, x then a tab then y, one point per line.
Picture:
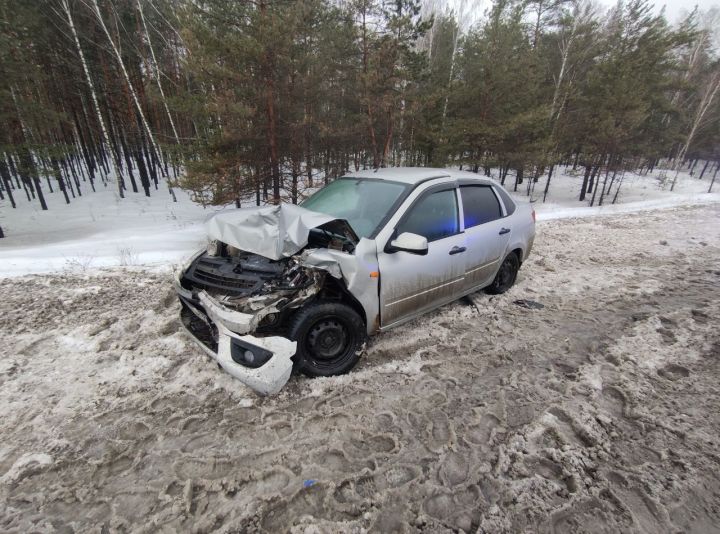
364	203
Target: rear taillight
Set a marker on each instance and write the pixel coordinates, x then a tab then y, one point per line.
533	215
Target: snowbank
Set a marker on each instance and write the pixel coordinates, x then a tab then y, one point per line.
637	193
100	230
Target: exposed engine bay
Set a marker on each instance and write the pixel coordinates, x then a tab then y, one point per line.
254	284
251	298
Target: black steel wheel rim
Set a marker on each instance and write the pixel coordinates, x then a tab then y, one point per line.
329	342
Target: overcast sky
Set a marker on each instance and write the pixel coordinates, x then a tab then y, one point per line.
676	9
472	10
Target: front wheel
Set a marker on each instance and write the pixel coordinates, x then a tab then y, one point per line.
329	337
506	275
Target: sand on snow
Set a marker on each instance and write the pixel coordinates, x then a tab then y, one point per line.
597	413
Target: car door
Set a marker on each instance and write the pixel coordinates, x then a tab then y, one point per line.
487	234
411	283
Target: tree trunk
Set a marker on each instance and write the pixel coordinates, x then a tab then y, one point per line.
617	191
91	86
149	161
73	170
702	173
717	168
133	93
327	167
84	151
565	53
456	36
591	183
13	170
709	94
388	139
595	176
68	177
38	190
518	177
547	184
295	174
59	178
272	138
503	173
270	111
257	185
142	169
308	169
128	162
371	120
157	74
604	190
5	176
583	189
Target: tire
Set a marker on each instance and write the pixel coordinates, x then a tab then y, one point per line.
330	338
506	275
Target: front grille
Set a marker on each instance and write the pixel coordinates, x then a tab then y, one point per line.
226	281
218	274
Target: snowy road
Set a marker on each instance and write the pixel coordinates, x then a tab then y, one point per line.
599	412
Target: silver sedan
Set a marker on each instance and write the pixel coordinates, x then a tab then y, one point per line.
301	287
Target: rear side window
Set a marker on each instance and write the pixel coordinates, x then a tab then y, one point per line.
509	204
434	217
480	205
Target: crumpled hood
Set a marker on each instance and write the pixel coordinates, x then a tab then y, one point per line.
275	232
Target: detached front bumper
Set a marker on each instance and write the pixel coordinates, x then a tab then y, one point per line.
224	335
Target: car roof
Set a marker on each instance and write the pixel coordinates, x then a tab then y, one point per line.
415	175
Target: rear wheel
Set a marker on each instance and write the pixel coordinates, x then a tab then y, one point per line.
329	337
506	275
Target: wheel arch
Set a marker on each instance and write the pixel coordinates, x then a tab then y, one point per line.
335	290
518	251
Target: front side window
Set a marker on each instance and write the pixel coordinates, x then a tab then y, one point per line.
480	205
434	217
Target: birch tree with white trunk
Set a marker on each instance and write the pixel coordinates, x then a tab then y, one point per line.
709	93
91	86
116	52
156	72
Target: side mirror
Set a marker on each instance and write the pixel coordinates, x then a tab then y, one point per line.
408	242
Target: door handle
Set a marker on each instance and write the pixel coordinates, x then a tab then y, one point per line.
457	250
505	231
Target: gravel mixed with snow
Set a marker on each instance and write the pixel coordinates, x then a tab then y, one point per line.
597	412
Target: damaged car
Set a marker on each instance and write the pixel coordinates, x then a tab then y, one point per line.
288	287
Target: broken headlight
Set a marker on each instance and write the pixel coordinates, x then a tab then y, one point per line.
213	248
247	354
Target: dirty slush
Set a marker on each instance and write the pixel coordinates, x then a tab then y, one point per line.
597	413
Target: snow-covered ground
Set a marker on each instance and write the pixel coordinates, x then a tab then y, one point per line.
599	412
100	230
637	193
